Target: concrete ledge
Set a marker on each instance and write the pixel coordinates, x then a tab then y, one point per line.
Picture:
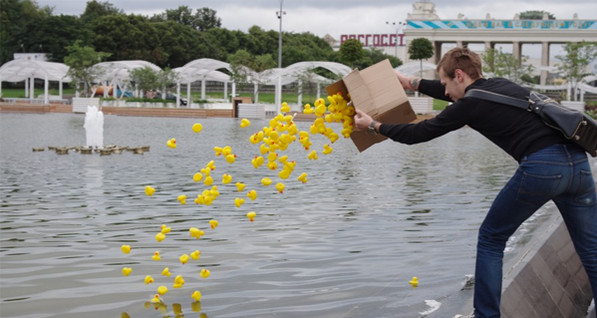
548	280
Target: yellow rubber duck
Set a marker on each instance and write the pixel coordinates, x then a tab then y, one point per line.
182	199
196	295
312	155
197	177
302	178
171	143
257	161
165	229
266	181
244	123
414	282
178	282
208	181
231	158
162	290
156	256
285	108
327	149
251	215
197	127
195	255
184	258
160	237
148	279
226	178
126	271
125	249
156	299
205	273
213	224
240	186
308	109
149	191
196	233
252	195
166	272
280	187
238	202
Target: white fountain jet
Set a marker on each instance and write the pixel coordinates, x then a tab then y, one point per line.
94	127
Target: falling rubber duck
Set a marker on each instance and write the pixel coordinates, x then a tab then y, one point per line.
184	258
238	202
230	158
156	256
308	109
196	233
126	271
160	237
166	272
162	290
156	299
240	186
148	279
197	127
312	155
252	195
149	191
414	282
226	178
195	255
205	273
178	282
171	143
182	199
280	187
165	229
197	177
327	149
266	181
251	215
244	123
125	249
208	180
302	178
285	108
196	295
213	224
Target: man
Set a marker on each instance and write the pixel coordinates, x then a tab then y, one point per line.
550	166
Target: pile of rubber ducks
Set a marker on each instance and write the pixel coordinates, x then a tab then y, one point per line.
271	141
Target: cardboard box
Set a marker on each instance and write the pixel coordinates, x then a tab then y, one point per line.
377	91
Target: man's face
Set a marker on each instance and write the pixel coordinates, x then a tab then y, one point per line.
454	86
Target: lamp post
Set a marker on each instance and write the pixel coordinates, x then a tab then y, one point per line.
279	14
398	27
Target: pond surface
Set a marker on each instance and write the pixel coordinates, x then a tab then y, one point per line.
345	244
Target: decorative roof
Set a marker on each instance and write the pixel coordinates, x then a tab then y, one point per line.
20	70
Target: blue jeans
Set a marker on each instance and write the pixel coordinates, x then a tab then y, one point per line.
560	173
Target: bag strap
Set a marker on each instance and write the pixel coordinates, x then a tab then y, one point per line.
499	98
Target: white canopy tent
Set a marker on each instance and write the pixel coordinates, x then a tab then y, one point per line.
28	70
203	70
118	73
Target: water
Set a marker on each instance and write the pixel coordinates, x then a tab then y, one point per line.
343	245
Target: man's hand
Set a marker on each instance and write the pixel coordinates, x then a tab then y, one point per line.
361	120
406	81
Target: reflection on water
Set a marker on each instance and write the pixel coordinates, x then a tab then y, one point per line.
343	245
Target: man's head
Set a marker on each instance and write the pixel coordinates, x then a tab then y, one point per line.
457	69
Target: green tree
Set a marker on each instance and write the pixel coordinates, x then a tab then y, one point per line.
80	61
506	65
202	20
206	19
15	15
573	66
420	49
535	15
145	78
351	51
95	10
165	79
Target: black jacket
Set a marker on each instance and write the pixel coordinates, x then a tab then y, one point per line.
516	131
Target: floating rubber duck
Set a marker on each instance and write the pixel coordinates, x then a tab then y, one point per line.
251	215
166	272
162	290
196	233
197	127
240	186
238	202
280	187
178	282
327	149
184	258
226	178
302	178
197	177
414	282
244	123
252	195
266	181
205	273
171	143
195	255
231	158
125	249
213	224
156	256
285	108
160	237
182	199
148	279
149	191
126	271
165	229
196	295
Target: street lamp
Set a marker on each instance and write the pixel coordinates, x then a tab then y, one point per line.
279	14
398	26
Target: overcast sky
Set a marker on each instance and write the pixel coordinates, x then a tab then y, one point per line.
335	17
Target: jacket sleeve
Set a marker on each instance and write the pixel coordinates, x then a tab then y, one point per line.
433	88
